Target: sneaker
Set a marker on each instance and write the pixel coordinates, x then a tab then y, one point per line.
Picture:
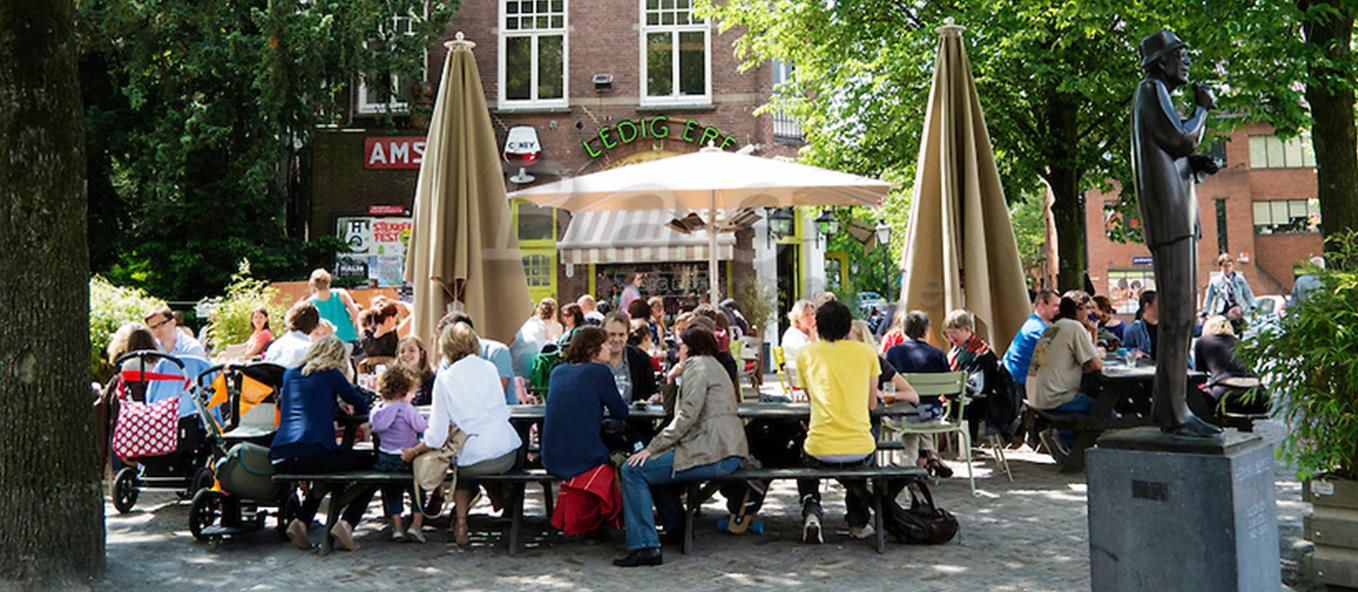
1052	442
811	534
344	536
398	535
861	532
416	534
297	533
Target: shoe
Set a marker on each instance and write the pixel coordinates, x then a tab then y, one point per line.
1052	442
415	533
297	533
344	535
397	535
811	534
861	532
938	468
674	538
1195	427
640	557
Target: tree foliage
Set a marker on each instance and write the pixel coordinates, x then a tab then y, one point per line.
199	122
1055	77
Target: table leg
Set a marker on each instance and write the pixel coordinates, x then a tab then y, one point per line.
1093	426
516	516
878	523
332	516
691	504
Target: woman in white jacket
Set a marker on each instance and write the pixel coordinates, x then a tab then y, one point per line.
468	394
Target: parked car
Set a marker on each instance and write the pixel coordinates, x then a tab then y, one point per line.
867	301
1269	307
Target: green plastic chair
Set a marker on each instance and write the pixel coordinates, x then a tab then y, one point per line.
953	385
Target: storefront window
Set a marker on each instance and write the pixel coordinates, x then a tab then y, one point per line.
533	53
1126	285
675	53
539	270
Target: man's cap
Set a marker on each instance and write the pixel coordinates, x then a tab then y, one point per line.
1159	45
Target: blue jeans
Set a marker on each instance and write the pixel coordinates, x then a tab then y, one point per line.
1082	404
658	470
393	496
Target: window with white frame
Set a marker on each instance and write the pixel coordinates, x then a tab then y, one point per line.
1286	216
784	125
533	53
1271	152
676	62
389	93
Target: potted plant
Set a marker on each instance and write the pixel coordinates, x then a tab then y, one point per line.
1310	361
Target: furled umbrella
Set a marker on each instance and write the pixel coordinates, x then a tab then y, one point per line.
961	251
708	180
464	250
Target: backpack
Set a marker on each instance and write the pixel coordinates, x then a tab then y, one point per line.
776	442
546	361
923	523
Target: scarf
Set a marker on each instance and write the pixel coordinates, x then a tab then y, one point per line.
964	358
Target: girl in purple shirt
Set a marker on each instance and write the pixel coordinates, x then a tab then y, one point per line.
397	425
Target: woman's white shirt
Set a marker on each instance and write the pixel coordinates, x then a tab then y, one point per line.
468	394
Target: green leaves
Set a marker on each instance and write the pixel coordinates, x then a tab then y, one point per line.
1309	365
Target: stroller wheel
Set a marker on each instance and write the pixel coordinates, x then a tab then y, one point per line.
205	511
202	479
125	490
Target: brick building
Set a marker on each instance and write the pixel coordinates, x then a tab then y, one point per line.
1261	208
602	83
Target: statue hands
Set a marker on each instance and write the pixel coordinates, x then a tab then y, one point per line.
1203	97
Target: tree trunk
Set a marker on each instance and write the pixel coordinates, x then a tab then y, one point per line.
1068	215
51	499
1331	98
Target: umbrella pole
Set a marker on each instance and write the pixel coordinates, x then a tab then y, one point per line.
712	276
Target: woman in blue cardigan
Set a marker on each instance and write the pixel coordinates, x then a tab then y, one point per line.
305	440
579	392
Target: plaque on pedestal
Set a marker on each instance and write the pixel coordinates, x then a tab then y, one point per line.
1173	513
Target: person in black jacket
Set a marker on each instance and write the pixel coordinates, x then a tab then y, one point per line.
631	367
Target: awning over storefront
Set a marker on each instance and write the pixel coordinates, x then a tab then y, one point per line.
635	236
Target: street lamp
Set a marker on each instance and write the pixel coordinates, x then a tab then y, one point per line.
826	225
780	223
883	231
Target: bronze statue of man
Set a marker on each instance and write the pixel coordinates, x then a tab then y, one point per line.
1165	167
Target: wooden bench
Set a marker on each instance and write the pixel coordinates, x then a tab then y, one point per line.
698	493
346	486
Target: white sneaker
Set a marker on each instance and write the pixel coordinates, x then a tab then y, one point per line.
811	533
862	532
397	535
415	533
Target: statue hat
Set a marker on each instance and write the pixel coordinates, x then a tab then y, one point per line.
1158	45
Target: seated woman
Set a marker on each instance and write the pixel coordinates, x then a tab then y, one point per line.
1214	353
412	355
973	355
572	318
572	446
305	440
262	336
468	394
705	440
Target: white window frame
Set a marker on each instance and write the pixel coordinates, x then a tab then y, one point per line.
675	98
1262	146
535	103
363	107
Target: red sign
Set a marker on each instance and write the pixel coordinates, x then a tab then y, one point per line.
386	210
393	152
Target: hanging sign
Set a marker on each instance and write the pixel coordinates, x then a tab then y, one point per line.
654	128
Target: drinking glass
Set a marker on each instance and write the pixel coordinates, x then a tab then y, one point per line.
889	393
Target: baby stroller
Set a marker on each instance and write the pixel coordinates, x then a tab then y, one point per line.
238	404
156	431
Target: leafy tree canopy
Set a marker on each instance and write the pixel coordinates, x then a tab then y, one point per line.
198	118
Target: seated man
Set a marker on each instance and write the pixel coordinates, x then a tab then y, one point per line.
1064	353
163	324
1145	330
491	350
840	376
287	351
912	356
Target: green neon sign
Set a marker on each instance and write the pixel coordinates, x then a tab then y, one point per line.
654	128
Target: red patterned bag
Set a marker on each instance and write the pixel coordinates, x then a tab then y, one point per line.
146	430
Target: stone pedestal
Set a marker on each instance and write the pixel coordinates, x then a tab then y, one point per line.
1169	513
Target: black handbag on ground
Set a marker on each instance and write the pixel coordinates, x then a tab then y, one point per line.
923	523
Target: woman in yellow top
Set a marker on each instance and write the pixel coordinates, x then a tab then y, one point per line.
840	377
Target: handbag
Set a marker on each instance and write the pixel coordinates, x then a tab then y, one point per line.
144	430
430	469
923	523
246	471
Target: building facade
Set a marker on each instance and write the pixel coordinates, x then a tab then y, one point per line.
1261	209
592	84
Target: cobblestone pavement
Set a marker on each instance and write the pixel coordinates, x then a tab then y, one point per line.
1027	535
